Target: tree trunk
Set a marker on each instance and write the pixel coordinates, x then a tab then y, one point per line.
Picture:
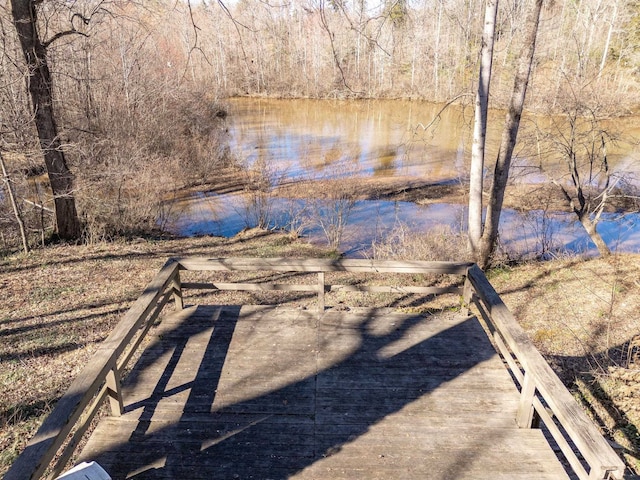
508	142
607	44
476	172
595	237
14	205
40	88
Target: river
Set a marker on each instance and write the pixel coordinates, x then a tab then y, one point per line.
316	139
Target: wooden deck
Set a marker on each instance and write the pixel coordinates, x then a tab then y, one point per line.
273	393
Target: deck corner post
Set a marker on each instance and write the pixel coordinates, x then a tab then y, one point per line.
525	416
114	392
176	285
467	296
597	474
321	290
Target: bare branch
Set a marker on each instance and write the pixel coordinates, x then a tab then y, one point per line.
195	46
232	18
59	35
439	114
331	35
360	32
84	21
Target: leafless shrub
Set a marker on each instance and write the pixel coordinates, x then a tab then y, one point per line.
441	243
544	230
331	214
191	130
126	179
125	201
295	217
330	211
261	179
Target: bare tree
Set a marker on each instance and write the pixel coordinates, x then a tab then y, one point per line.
14	205
581	140
25	20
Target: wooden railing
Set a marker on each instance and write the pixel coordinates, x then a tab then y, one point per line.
543	397
541	389
320	267
61	431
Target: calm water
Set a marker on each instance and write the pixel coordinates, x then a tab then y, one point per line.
310	139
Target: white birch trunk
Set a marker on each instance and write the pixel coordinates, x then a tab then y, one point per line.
476	172
607	44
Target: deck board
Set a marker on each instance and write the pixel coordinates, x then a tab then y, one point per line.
271	393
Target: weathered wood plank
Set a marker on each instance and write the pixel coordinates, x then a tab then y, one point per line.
301	287
321	265
251	287
467	454
394	289
278	396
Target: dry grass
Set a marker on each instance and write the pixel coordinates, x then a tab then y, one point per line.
59	303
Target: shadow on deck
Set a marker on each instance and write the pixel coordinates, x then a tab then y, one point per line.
270	393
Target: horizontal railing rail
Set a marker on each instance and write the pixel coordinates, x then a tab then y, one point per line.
543	396
320	267
541	389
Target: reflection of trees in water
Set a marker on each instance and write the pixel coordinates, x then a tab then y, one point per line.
310	135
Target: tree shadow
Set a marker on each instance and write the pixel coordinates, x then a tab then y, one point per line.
267	395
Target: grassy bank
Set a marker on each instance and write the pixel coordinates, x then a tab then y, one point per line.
59	303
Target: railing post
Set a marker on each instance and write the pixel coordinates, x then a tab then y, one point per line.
176	285
467	296
114	392
321	288
525	415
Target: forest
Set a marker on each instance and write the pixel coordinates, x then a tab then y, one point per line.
137	89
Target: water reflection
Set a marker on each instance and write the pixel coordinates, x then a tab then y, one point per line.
305	137
522	233
393	137
319	139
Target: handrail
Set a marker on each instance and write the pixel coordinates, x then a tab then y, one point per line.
99	378
542	390
540	387
314	265
321	266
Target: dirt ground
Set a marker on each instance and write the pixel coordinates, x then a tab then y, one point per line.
59	303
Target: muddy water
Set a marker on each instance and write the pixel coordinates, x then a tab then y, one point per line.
313	138
321	139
